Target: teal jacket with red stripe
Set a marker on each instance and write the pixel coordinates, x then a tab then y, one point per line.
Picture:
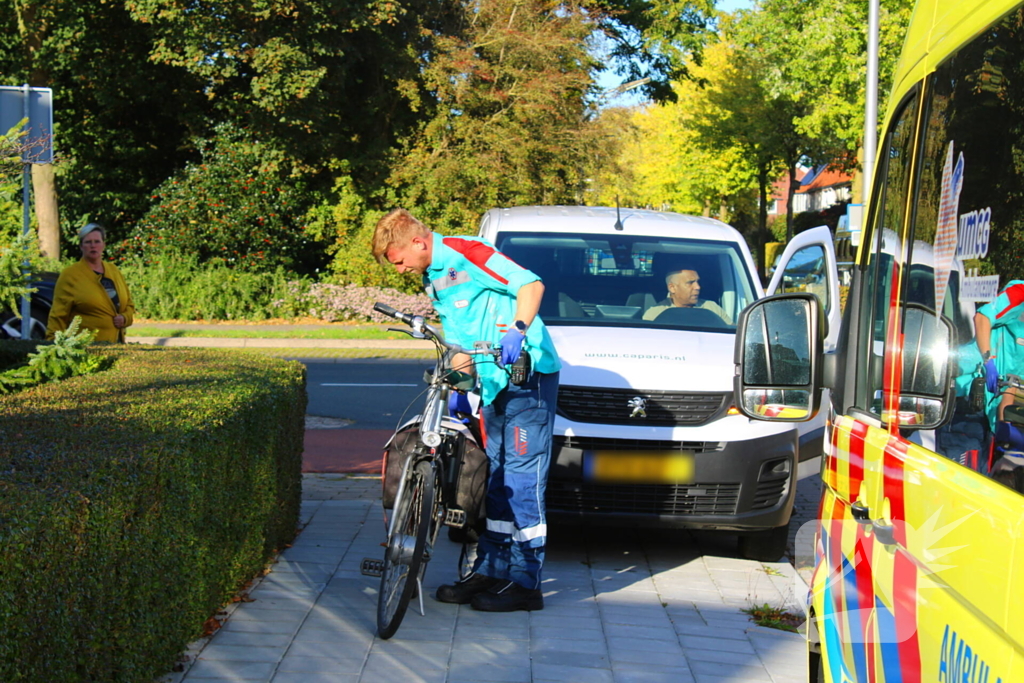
473	287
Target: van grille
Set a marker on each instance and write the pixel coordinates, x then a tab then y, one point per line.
664	408
590	443
645	499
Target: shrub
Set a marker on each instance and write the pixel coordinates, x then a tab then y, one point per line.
242	205
66	357
135	502
351	302
177	287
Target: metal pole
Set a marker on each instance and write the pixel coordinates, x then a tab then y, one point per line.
26	174
871	104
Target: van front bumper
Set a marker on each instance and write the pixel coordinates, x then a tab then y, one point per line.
737	486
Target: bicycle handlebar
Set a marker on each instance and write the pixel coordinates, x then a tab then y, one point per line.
419	325
392	312
1010	382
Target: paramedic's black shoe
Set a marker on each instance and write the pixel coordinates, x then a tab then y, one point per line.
462	592
509	596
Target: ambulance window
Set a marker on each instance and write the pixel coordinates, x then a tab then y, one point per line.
968	227
886	251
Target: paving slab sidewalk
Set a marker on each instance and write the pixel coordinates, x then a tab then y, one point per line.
620	607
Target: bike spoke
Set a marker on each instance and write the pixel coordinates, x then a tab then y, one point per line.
405	552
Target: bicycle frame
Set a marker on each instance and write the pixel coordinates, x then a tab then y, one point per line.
408	548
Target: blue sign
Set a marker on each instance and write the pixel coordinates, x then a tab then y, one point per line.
38	144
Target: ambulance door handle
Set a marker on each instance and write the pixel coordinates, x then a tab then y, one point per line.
861	513
883	532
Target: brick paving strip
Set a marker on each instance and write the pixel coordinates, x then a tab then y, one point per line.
620	607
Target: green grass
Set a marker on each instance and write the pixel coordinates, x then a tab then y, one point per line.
343	353
340	332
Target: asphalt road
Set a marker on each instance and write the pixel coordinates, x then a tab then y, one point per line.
376	393
373	393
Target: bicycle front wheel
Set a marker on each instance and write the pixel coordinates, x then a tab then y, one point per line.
404	555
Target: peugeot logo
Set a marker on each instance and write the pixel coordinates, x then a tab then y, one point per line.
639	406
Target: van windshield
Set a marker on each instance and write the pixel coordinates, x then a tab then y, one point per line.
635	281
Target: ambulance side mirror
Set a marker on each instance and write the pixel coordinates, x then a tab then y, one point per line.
927	390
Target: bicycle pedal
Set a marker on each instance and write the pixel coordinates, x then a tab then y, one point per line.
371	567
454	517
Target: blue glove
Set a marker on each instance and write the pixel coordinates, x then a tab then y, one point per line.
459	403
511	346
991	376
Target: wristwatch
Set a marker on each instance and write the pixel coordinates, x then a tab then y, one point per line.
521	326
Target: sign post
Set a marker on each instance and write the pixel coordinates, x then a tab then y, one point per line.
35	107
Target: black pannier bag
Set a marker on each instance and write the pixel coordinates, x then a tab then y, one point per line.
465	475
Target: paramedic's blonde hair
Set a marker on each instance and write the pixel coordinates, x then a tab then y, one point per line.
396	229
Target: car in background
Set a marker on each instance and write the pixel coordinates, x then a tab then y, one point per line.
41	301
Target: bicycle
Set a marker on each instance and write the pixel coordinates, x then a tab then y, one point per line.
425	499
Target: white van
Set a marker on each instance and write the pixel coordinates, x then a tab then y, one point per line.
646	431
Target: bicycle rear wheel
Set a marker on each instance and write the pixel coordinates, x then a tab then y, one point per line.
404	554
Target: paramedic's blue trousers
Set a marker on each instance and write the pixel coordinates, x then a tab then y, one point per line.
518	427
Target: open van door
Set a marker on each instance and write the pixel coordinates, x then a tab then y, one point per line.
809	265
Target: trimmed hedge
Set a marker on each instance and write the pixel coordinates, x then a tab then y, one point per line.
136	502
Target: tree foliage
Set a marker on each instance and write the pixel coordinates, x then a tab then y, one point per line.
243	204
817	52
120	120
654	42
511	122
325	80
170	114
681	155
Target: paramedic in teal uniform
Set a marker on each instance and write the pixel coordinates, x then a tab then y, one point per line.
482	295
999	327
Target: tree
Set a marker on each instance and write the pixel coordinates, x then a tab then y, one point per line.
17	249
665	162
243	204
121	122
326	81
511	124
654	42
814	57
736	111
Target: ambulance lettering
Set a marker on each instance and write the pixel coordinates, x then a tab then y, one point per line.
974	231
959	663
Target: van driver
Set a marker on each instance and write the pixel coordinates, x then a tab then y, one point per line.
684	291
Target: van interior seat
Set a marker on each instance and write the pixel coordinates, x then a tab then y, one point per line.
644	300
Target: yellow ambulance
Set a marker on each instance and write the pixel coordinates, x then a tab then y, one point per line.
919	573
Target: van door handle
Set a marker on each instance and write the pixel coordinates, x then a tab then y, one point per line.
883	532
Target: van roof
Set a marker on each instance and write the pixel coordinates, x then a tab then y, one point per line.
601	220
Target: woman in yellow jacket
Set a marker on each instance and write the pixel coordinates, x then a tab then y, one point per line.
94	289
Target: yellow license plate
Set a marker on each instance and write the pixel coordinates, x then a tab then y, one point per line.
639	467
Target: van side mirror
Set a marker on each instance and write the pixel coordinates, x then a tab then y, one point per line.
927	391
778	357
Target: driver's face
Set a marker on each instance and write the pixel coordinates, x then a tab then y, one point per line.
684	288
